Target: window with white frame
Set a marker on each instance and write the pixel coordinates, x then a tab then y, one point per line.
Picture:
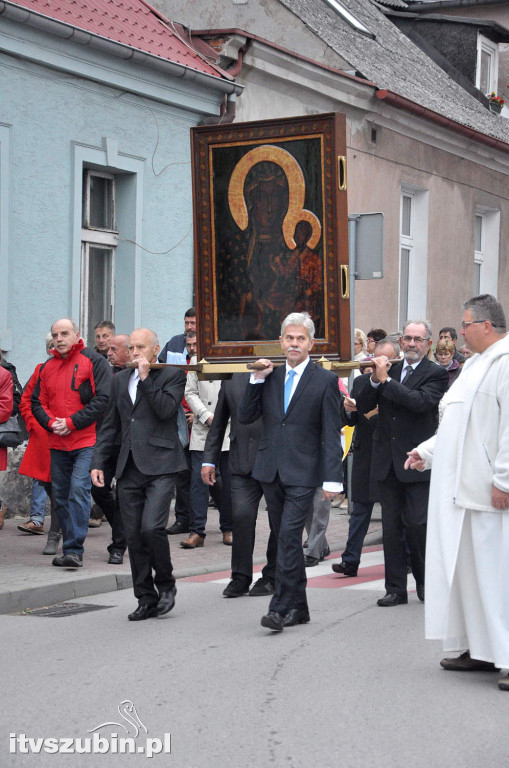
478	252
99	239
413	253
487	65
486	250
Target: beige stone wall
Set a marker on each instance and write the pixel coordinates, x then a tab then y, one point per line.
375	175
456	186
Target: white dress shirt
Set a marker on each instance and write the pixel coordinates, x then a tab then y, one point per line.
133	385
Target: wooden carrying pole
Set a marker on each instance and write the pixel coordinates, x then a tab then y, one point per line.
212	371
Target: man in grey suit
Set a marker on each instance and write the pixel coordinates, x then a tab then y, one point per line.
143	408
300	447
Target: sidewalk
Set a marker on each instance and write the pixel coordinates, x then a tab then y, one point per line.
28	580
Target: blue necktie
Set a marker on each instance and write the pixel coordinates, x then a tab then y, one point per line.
288	388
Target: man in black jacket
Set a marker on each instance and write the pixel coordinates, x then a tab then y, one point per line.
407	396
246	491
143	408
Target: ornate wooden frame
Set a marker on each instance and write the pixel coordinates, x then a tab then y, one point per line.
244	277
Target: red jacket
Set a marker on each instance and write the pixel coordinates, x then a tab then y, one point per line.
6	390
36	459
76	388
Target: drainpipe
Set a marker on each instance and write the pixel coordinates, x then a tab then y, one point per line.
227	114
228	107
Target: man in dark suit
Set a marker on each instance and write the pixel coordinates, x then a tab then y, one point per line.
362	490
143	407
407	396
246	492
300	447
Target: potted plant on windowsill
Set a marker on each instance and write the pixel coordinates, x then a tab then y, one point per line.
496	102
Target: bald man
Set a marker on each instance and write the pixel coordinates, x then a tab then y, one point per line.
143	409
68	399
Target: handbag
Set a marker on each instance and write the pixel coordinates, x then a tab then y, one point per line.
10	433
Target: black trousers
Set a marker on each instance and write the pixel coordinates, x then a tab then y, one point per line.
288	507
183	491
107	501
246	494
404	516
144	506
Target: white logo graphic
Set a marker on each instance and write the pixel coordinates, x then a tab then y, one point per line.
127	710
97	744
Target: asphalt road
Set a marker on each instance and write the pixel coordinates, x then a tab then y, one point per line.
358	687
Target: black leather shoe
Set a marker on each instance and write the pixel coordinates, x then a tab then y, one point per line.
297	616
420	592
273	620
309	561
166	601
262	588
143	612
116	558
465	663
391	599
177	527
345	569
324	553
71	560
236	588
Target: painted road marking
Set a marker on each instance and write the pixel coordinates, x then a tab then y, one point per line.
370	575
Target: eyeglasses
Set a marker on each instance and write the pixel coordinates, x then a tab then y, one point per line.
472	322
417	339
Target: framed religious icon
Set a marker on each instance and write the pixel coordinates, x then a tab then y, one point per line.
270	235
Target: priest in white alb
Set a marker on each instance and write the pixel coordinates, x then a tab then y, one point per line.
467	551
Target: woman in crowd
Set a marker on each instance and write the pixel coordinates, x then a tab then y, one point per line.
373	337
359	344
36	464
6	404
444	354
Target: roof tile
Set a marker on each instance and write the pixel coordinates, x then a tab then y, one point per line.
132	22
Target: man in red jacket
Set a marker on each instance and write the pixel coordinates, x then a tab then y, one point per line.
70	396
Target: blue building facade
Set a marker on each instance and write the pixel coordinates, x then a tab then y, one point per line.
95	182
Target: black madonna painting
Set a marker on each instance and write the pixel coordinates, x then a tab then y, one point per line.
268	232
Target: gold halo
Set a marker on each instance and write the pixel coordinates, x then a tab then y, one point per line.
296	186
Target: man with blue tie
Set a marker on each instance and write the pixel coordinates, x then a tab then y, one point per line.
300	449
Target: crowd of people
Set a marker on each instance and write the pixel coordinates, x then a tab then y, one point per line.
107	425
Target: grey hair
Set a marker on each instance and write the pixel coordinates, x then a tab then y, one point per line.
48	339
299	318
394	345
425	323
486	307
69	320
